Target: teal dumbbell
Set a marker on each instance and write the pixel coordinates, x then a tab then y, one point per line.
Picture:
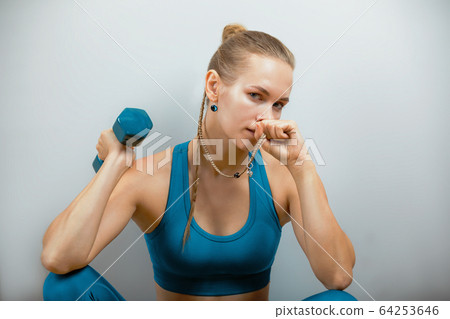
132	124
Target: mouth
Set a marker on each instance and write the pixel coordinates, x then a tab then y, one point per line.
251	133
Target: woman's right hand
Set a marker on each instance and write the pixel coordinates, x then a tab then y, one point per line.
108	144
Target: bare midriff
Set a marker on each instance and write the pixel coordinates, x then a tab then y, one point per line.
257	295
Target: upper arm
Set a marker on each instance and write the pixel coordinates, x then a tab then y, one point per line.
118	211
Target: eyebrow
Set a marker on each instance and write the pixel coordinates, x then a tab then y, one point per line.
267	93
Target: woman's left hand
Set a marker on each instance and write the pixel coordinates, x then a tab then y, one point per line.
283	141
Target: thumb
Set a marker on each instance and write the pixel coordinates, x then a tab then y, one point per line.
258	131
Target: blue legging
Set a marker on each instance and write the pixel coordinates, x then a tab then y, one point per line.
74	286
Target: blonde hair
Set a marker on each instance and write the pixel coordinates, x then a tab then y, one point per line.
229	61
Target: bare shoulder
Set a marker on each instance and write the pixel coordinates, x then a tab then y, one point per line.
151	175
281	184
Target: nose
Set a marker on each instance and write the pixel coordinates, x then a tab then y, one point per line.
265	114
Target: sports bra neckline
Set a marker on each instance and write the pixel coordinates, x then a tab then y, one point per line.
251	214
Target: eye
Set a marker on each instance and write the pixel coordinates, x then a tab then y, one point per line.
280	105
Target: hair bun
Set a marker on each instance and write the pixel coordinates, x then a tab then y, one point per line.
232	29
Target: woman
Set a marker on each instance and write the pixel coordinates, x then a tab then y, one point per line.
240	200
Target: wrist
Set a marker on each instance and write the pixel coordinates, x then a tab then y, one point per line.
118	160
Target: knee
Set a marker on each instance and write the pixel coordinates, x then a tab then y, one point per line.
66	287
54	287
341	295
331	295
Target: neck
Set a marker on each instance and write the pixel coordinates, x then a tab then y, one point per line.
227	157
230	161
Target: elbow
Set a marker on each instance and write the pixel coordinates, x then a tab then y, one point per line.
51	264
54	265
340	282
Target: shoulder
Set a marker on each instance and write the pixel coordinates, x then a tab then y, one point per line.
149	181
154	165
152	172
150	176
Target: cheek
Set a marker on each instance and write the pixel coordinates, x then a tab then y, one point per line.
248	103
238	114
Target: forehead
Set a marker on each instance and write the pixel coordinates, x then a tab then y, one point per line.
273	74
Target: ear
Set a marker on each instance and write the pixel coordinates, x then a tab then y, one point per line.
212	85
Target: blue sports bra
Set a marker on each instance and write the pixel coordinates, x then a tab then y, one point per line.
214	265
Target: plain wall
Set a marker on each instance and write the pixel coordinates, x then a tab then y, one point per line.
376	105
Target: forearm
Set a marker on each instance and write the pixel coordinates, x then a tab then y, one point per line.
70	237
328	248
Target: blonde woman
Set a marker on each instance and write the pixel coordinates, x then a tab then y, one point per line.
212	226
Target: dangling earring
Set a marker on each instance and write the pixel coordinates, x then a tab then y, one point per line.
214	108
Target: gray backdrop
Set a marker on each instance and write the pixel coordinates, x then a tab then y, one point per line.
375	105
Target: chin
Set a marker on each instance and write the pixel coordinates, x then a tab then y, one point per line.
250	141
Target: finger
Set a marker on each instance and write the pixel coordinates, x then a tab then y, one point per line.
273	130
258	131
263	128
280	132
283	133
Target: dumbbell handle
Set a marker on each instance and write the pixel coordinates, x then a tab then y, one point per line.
132	125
